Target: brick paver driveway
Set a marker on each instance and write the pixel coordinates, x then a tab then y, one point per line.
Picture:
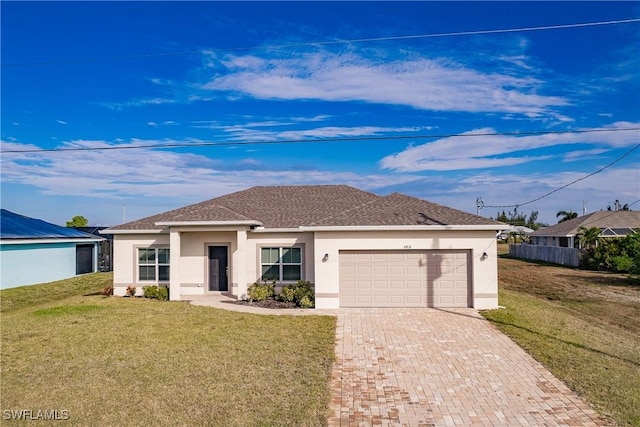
425	367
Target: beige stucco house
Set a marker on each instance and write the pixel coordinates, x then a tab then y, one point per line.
357	248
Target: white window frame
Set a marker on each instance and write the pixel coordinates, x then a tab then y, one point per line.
156	264
281	264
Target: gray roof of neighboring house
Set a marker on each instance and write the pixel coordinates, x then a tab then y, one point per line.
16	226
601	219
313	205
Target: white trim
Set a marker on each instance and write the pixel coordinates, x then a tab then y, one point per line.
61	240
152	231
196	223
307	228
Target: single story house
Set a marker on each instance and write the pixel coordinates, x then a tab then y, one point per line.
358	249
34	251
565	234
519	230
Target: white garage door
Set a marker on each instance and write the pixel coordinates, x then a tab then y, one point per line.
404	278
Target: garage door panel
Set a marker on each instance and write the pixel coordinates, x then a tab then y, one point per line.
404	278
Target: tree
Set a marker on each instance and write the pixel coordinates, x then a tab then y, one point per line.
78	221
588	237
566	215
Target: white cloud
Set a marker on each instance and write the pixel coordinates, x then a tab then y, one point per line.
157	173
62	122
421	83
482	151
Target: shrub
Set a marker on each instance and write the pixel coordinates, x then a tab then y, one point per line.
107	291
260	292
287	294
306	302
131	291
156	292
303	290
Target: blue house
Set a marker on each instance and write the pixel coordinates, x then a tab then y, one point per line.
34	251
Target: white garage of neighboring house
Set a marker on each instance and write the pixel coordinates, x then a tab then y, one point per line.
33	251
358	249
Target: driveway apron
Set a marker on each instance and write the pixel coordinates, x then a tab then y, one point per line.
431	367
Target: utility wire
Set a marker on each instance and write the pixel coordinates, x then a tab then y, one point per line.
330	42
309	141
481	204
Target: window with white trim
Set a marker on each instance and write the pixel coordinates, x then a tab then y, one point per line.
281	264
153	264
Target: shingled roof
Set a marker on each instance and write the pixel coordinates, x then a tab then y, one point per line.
601	219
313	205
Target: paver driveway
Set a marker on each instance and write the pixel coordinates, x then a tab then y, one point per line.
425	367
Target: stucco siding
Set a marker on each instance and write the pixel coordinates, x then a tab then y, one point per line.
484	280
125	258
30	264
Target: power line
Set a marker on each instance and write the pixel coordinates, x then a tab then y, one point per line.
330	42
310	141
481	204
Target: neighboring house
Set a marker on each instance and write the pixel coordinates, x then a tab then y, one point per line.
519	230
357	248
105	248
34	251
566	234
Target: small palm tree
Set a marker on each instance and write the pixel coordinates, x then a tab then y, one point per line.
588	237
566	215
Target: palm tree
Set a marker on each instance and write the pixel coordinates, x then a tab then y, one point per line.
566	215
588	237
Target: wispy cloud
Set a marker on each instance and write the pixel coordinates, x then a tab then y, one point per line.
158	173
62	122
484	151
418	82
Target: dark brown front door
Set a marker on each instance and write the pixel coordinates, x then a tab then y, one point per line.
218	268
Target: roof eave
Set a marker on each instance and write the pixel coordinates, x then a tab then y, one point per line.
125	231
309	228
20	241
207	223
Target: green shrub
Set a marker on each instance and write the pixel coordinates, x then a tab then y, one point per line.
287	294
261	292
622	263
306	302
156	292
303	289
131	291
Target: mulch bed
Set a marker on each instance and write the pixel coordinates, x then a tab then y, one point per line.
269	303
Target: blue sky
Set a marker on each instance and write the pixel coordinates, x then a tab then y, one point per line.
260	75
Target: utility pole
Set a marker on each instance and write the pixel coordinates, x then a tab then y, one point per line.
124	214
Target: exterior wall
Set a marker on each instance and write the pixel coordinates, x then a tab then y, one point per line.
194	266
30	264
484	277
256	241
125	259
189	263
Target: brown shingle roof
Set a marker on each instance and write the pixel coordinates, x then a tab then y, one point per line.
320	205
601	219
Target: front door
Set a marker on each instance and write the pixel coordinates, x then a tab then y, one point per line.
218	268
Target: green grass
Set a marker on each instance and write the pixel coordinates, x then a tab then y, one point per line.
132	361
587	341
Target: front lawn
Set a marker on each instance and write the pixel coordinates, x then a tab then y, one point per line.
583	326
114	361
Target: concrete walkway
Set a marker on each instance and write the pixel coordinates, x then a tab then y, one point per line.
430	367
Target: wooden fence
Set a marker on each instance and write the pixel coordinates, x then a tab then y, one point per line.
553	254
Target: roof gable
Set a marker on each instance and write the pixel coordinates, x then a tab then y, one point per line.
15	226
313	205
